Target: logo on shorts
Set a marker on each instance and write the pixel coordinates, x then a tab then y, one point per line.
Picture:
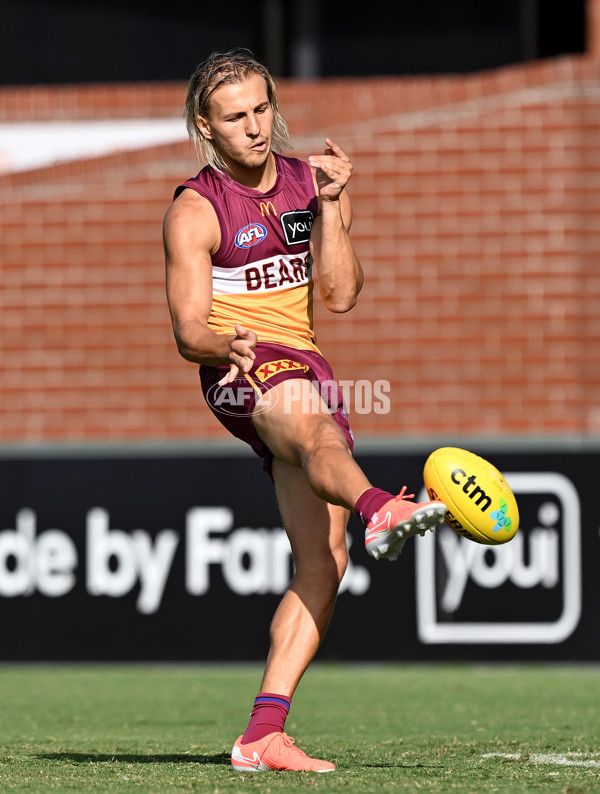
250	235
270	368
296	226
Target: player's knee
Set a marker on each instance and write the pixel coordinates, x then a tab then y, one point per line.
341	560
339	553
324	567
324	438
331	565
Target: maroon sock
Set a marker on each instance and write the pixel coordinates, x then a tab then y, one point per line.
268	716
369	502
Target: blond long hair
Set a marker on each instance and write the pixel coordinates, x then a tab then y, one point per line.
217	70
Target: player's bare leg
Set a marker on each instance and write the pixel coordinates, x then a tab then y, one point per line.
317	482
303	433
317	535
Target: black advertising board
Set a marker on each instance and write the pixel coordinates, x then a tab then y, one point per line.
182	557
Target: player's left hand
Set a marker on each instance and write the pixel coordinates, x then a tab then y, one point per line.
334	169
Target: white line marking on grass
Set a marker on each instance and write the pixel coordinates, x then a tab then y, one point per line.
561	759
568	759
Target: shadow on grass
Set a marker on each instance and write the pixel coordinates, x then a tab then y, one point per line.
219	759
130	758
403	765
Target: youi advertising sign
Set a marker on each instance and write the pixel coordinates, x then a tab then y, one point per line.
526	591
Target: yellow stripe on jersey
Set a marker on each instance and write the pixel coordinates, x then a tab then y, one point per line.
286	318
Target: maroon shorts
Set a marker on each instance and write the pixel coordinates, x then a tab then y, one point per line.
234	404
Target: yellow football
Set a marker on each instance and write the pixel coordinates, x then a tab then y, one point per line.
481	506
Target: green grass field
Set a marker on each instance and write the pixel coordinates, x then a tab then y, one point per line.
434	728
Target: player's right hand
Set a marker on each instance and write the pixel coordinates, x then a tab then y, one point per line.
241	354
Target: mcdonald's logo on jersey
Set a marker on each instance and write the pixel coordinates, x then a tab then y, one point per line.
266	207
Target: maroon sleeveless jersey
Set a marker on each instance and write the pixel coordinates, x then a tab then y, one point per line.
262	270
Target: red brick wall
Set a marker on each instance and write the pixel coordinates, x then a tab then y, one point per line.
476	203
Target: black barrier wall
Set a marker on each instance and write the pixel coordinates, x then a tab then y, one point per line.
184	558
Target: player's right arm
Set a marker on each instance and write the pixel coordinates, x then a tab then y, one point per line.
191	234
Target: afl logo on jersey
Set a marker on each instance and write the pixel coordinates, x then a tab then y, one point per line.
250	235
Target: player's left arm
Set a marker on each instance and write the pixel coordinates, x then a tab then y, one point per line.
340	272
